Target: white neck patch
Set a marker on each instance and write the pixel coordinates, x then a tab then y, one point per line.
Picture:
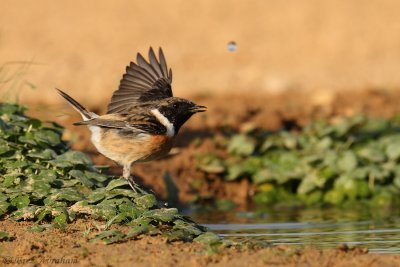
164	121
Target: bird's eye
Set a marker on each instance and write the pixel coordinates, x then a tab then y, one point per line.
175	106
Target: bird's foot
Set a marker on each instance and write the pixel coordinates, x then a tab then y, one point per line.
135	187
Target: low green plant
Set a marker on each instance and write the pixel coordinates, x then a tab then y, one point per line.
356	159
42	179
4	236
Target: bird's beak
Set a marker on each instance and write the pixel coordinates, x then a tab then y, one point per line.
198	108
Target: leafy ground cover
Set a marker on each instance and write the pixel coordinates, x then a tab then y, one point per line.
356	159
41	179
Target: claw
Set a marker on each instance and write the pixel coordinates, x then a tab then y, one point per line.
135	187
127	175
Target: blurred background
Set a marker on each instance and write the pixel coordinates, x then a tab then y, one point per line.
83	47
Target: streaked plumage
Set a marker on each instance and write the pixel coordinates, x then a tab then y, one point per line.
143	117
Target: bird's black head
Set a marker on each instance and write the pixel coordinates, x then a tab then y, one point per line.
179	110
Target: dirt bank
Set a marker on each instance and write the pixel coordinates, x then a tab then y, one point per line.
71	248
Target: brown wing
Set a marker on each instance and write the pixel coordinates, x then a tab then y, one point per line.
143	81
135	123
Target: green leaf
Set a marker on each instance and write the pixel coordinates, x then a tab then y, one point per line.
307	184
137	230
363	190
141	221
4	236
116	183
186	227
348	124
164	215
347	185
324	144
27	139
37	228
97	195
208	238
375	125
312	198
40	188
3	207
20	202
334	197
80	175
130	210
47	137
70	158
47	176
146	201
116	219
96	176
241	145
61	216
121	192
210	163
6	108
359	173
16	165
109	237
26	213
382	198
104	211
372	153
68	194
44	154
393	151
347	161
42	213
377	173
234	172
396	181
9	180
289	140
4	149
261	176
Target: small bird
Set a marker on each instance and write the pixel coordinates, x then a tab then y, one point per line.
143	117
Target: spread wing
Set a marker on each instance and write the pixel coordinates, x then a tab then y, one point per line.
139	122
143	81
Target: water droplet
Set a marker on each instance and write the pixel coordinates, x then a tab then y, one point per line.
232	46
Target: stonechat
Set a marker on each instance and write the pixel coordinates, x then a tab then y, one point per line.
143	117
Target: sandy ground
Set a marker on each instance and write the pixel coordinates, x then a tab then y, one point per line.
84	46
70	248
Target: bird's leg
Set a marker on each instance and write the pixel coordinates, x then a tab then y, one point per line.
126	171
127	175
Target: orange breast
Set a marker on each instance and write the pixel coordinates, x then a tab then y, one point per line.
125	149
159	145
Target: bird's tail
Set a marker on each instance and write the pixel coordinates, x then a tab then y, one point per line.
86	115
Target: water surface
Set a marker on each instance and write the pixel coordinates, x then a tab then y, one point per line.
375	228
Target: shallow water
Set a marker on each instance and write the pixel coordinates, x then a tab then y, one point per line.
378	229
